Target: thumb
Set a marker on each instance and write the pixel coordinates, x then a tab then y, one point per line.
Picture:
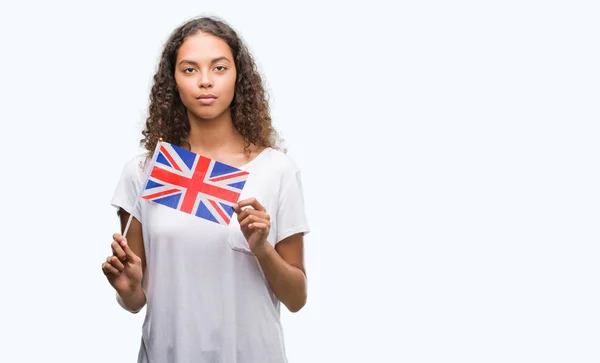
131	256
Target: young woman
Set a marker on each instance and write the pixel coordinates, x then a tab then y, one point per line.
212	292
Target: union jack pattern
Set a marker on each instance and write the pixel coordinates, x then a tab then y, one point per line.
194	184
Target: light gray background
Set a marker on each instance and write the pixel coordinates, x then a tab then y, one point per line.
450	161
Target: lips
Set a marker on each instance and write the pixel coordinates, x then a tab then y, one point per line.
207	99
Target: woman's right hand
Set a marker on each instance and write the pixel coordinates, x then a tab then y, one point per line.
123	268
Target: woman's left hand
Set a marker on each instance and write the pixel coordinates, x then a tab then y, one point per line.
255	223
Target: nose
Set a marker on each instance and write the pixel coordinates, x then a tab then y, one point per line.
205	81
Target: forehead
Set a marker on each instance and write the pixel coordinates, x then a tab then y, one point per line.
203	47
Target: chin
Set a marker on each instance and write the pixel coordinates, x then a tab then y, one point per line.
208	113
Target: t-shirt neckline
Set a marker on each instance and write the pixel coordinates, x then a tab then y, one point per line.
260	155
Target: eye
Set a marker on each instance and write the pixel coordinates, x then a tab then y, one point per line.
188	70
220	68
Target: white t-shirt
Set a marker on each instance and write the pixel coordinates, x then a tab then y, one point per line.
207	298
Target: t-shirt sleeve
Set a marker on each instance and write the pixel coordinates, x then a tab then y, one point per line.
128	188
291	214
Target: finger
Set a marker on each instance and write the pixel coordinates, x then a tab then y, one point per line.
253	219
252	202
114	262
259	226
131	256
120	239
108	269
249	219
249	211
117	237
118	251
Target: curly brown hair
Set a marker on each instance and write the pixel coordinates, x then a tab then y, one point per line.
167	116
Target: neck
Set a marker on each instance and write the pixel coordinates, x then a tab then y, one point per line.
214	134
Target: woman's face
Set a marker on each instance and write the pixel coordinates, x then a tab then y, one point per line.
205	75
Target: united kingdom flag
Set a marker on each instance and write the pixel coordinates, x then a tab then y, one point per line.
194	184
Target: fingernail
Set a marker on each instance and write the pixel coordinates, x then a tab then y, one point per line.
124	242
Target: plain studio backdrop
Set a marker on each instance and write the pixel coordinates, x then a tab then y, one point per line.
449	154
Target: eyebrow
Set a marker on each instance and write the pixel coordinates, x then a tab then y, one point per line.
214	60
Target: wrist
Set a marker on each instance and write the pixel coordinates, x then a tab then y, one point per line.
262	252
132	288
132	299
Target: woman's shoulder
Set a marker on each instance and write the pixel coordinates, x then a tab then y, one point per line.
137	164
281	160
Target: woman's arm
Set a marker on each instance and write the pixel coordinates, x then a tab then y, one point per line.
131	298
283	267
